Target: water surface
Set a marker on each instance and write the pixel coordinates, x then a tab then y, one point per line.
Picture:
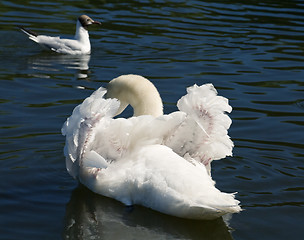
252	52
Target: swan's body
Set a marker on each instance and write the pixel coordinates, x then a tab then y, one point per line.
155	160
80	44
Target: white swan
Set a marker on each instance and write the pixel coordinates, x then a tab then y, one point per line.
154	160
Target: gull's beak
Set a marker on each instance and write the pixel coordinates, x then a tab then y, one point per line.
96	22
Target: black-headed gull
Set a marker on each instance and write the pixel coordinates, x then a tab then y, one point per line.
80	44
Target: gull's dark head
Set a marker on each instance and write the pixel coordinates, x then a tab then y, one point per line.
87	21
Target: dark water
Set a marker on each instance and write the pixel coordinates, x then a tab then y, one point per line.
252	52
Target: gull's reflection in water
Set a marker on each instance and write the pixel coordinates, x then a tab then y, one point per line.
47	64
91	216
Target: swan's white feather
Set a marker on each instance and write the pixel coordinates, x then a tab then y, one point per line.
205	129
148	176
159	162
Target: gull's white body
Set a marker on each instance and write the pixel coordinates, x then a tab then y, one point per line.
80	44
155	160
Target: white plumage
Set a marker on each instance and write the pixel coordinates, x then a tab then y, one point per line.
155	160
80	44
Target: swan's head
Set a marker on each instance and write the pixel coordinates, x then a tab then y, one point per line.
137	91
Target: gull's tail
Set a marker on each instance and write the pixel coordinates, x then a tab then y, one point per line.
32	35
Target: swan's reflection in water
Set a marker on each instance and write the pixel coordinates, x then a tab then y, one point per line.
91	216
46	64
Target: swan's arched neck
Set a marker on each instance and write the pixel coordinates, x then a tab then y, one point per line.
137	91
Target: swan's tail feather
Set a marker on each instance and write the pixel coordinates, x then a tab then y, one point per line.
211	212
223	203
229	204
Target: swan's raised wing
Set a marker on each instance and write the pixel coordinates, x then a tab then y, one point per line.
94	139
79	129
198	131
203	134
